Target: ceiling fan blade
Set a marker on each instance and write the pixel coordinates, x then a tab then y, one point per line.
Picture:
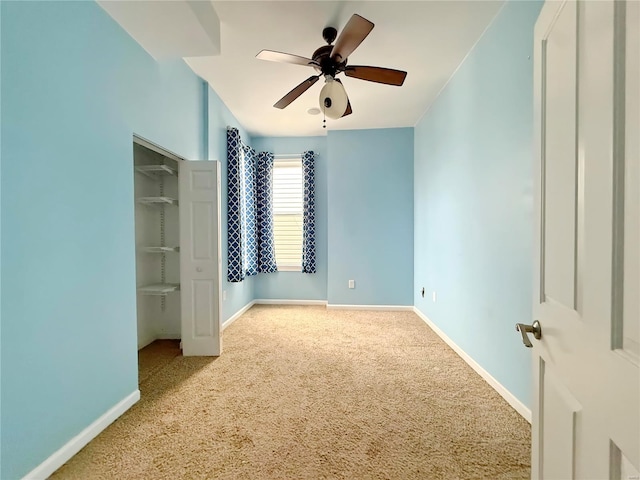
272	56
352	35
388	76
296	92
348	111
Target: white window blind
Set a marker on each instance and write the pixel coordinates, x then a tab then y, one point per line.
244	208
287	213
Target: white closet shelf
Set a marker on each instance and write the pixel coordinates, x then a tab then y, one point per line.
154	171
157	201
160	289
159	249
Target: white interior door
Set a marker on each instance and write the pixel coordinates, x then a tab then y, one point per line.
200	257
586	377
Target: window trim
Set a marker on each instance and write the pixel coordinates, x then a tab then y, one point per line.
290	268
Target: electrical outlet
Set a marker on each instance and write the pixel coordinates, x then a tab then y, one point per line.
433	295
224	295
422	292
352	284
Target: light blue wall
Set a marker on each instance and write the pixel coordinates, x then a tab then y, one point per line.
0	240
370	208
75	88
296	285
239	294
473	201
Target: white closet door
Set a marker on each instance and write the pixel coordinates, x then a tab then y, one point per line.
200	257
586	415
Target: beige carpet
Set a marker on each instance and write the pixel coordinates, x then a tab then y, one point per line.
155	357
306	393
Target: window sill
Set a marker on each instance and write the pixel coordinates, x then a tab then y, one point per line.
289	268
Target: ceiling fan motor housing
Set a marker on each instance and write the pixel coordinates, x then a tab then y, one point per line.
328	66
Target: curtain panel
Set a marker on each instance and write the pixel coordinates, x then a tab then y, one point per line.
235	215
250	246
264	190
308	213
241	209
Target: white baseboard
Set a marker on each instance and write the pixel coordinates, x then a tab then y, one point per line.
147	341
169	336
73	446
518	406
270	301
381	308
267	301
237	315
164	336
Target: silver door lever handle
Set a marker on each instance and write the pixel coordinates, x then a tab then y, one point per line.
524	329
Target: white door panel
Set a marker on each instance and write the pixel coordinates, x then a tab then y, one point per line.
629	338
586	412
561	412
200	253
560	160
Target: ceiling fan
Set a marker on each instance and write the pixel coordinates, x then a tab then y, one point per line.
331	60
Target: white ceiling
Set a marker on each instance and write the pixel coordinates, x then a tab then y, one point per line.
428	39
169	29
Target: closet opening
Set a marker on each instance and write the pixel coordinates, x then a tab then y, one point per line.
157	251
178	254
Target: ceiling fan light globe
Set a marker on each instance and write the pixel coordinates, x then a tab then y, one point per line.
333	100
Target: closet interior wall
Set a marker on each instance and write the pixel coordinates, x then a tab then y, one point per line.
157	225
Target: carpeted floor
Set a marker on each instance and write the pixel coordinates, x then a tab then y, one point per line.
310	393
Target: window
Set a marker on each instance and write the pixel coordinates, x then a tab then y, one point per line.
287	213
243	209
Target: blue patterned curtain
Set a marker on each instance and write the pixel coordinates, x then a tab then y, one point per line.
308	214
264	191
241	214
235	220
250	246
